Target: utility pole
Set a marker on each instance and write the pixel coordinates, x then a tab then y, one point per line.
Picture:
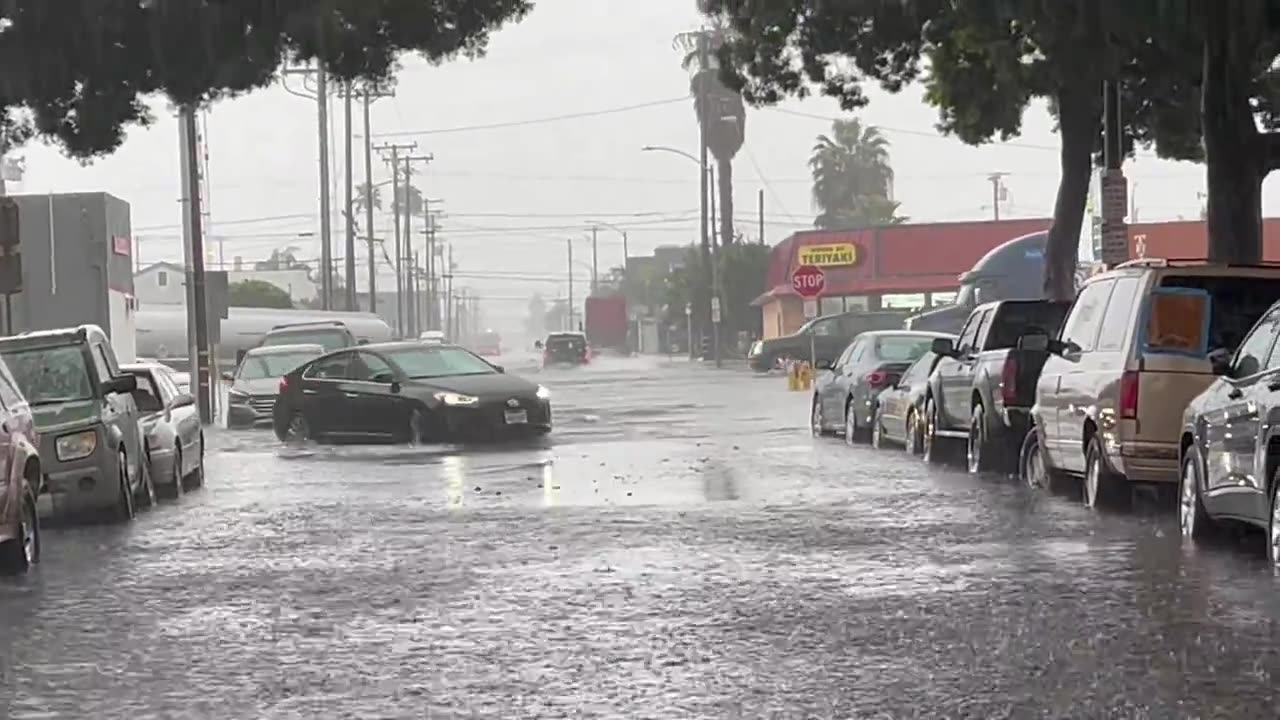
368	94
394	149
349	208
569	244
997	192
326	247
197	310
448	289
760	212
412	301
594	260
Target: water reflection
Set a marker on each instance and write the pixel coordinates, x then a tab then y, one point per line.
454	468
550	489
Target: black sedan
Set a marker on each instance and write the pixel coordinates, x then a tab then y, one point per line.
407	392
845	397
898	414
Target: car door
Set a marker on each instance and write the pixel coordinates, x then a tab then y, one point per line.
118	409
1082	374
893	404
323	402
960	382
185	421
377	410
829	386
949	370
1229	456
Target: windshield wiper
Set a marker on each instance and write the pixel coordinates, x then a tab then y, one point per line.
54	401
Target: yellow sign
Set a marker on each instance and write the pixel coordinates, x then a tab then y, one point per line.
829	255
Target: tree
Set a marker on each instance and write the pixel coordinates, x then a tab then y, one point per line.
259	294
410	196
367	196
721	113
852	177
81	67
282	259
986	62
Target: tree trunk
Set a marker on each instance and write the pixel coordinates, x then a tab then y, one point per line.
1079	117
724	178
1235	154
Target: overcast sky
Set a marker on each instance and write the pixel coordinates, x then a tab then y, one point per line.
513	194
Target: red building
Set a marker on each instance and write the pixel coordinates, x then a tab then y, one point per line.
914	264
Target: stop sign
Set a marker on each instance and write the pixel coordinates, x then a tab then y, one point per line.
808	281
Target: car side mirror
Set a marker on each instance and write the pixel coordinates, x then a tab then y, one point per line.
1220	362
499	368
122	384
943	347
181	401
825	365
395	387
1064	347
229	376
1034	342
537	345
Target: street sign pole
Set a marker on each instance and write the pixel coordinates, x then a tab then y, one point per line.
809	281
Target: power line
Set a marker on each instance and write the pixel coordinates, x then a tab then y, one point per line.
535	121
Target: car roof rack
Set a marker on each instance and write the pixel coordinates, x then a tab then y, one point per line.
1191	262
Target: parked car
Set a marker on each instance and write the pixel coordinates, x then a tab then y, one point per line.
433	337
1112	395
329	334
173	436
982	390
407	392
824	337
1230	433
24	474
900	409
82	405
565	348
256	381
852	384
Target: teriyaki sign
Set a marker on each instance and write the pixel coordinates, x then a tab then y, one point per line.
828	255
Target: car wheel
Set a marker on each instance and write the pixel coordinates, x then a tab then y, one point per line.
177	484
929	447
123	510
1193	519
877	430
1102	487
18	555
298	429
979	453
912	434
146	496
1273	522
853	432
815	417
197	475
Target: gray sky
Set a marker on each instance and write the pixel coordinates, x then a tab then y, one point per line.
513	194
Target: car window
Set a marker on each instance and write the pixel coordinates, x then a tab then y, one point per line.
825	327
901	349
50	375
366	366
1085	319
983	320
1119	314
329	339
168	388
1252	355
843	360
9	393
331	368
1015	319
919	369
1237	303
146	395
427	361
261	366
968	332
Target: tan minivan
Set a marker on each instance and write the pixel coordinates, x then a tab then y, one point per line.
1135	349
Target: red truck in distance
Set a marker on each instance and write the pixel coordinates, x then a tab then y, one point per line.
606	323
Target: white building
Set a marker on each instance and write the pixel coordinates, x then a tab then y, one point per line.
164	283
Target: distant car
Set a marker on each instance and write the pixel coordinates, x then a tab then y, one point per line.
433	337
407	392
256	381
22	470
82	405
171	428
565	348
489	343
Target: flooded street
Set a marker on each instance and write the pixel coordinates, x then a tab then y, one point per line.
679	547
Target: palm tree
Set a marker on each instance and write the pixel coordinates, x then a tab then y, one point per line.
852	177
721	113
410	195
367	196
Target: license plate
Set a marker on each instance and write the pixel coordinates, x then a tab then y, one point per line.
516	417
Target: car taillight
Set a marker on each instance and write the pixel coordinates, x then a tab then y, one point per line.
1009	380
876	379
1129	395
284	385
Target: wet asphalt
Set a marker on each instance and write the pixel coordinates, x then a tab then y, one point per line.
679	548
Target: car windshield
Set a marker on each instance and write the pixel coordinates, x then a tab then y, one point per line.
565	343
901	349
272	365
330	340
50	375
433	362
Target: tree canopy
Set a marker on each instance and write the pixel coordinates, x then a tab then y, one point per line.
259	294
84	67
852	177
